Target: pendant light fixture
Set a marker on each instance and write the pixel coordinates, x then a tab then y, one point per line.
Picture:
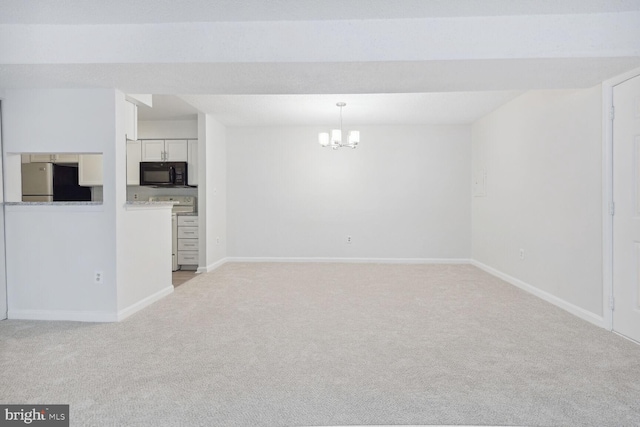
334	139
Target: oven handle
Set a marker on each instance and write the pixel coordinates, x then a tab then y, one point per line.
172	174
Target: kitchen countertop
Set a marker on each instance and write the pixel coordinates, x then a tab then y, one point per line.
148	203
53	203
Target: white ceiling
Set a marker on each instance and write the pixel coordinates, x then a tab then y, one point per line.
167	107
361	109
162	11
289	72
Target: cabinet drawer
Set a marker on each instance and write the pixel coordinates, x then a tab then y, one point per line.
187	232
187	244
188	257
188	220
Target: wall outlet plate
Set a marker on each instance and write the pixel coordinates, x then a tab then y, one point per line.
98	277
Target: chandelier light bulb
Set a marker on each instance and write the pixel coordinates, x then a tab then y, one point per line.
323	139
336	136
354	138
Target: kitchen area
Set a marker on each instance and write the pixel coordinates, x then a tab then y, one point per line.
161	168
104	257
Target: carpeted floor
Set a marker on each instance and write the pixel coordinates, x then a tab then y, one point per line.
329	344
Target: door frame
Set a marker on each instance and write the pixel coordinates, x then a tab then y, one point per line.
607	193
3	315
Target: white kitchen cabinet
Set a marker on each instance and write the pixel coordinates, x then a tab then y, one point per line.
188	240
152	150
134	155
53	158
90	170
169	150
176	150
131	120
192	162
65	158
40	158
187	232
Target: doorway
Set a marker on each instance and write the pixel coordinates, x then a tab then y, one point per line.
3	270
626	209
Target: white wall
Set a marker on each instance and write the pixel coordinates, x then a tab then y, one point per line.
144	255
53	252
310	41
542	153
169	129
212	191
52	255
3	280
403	193
58	120
143	236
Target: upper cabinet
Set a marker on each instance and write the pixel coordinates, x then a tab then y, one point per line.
90	170
50	158
131	121
152	150
159	150
176	150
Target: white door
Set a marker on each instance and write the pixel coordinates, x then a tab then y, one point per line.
626	220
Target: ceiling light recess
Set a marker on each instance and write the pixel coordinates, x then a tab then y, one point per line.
334	140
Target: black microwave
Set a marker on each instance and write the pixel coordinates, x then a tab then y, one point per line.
163	173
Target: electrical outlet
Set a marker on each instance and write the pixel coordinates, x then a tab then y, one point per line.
135	196
348	240
217	240
98	277
521	253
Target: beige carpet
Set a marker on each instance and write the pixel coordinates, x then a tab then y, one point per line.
329	344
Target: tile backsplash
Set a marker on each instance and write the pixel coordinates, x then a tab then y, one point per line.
144	192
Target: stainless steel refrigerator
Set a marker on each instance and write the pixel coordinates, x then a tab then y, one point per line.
48	182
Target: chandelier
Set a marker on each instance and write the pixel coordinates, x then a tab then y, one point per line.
334	140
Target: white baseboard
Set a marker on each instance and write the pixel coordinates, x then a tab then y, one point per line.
133	308
77	316
213	266
559	302
88	316
353	260
221	262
